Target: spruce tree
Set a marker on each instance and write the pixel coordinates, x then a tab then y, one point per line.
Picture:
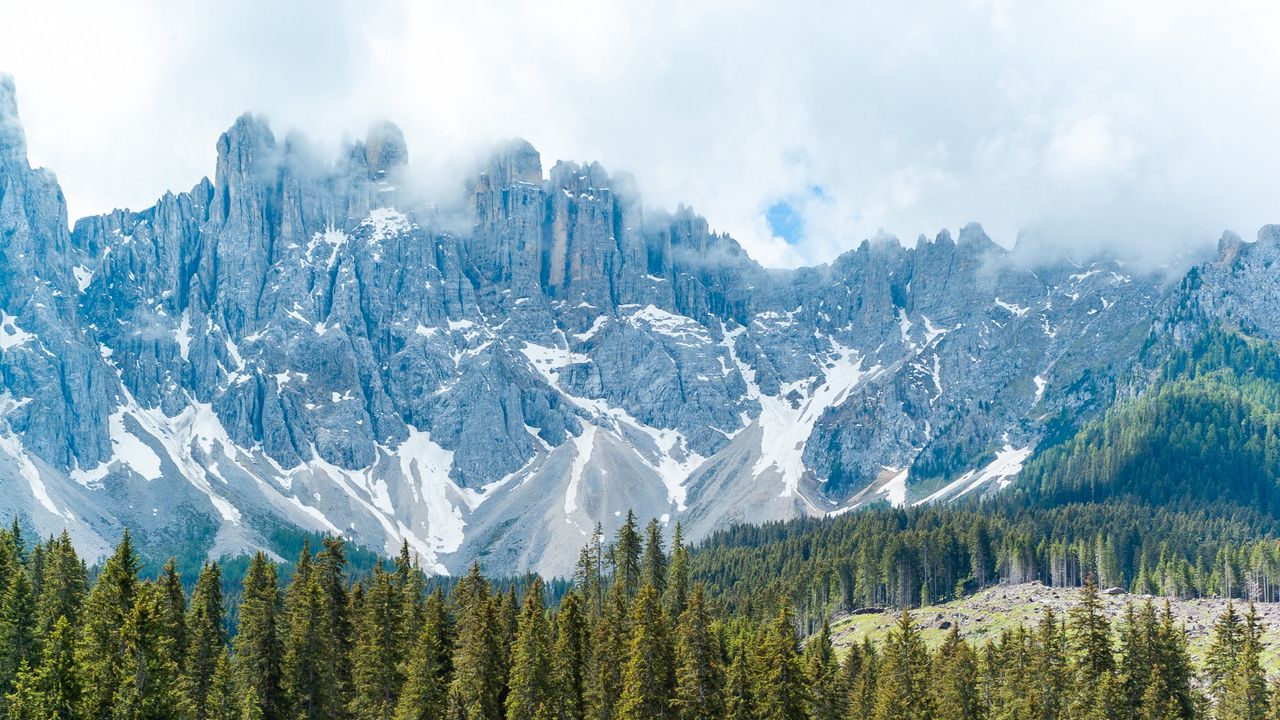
610	645
1173	671
50	691
17	628
425	692
828	692
477	680
307	677
740	684
174	605
678	575
376	669
223	700
1220	662
955	673
506	610
334	627
148	671
570	658
626	557
648	681
206	643
1089	638
862	673
903	690
99	652
63	585
1158	701
24	702
781	690
1245	693
699	672
1049	668
259	652
529	692
653	564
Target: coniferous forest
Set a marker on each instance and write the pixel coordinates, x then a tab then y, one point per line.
634	637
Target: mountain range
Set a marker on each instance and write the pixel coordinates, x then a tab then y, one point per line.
302	344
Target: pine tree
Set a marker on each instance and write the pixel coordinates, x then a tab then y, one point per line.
1049	668
828	693
570	657
653	564
206	644
335	629
781	690
50	691
425	692
506	618
740	687
259	652
174	606
530	680
477	680
63	585
955	673
1245	694
307	678
223	701
903	692
17	628
1089	635
1220	662
376	669
699	673
648	681
626	557
1158	701
148	670
100	653
862	673
1173	672
678	575
610	645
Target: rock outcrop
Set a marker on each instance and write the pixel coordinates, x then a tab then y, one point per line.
299	343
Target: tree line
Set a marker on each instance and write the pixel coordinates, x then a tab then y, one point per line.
633	637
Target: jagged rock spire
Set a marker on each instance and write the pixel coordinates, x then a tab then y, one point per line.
13	141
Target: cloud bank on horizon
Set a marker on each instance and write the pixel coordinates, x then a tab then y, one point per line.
1141	127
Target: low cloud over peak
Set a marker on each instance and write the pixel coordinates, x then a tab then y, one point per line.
799	131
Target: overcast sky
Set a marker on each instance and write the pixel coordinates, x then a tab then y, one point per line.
799	128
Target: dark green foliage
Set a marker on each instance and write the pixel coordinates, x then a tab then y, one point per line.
206	645
425	692
259	650
379	648
699	668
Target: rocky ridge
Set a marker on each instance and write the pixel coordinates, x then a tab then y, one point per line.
300	342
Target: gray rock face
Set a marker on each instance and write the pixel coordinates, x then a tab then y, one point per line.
299	342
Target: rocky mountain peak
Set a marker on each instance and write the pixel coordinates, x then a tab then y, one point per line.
294	345
512	162
1229	246
385	149
13	141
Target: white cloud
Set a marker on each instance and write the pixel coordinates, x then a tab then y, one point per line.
1139	125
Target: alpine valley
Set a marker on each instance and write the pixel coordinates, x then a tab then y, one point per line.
302	344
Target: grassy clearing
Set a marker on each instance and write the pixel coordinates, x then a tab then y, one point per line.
984	616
